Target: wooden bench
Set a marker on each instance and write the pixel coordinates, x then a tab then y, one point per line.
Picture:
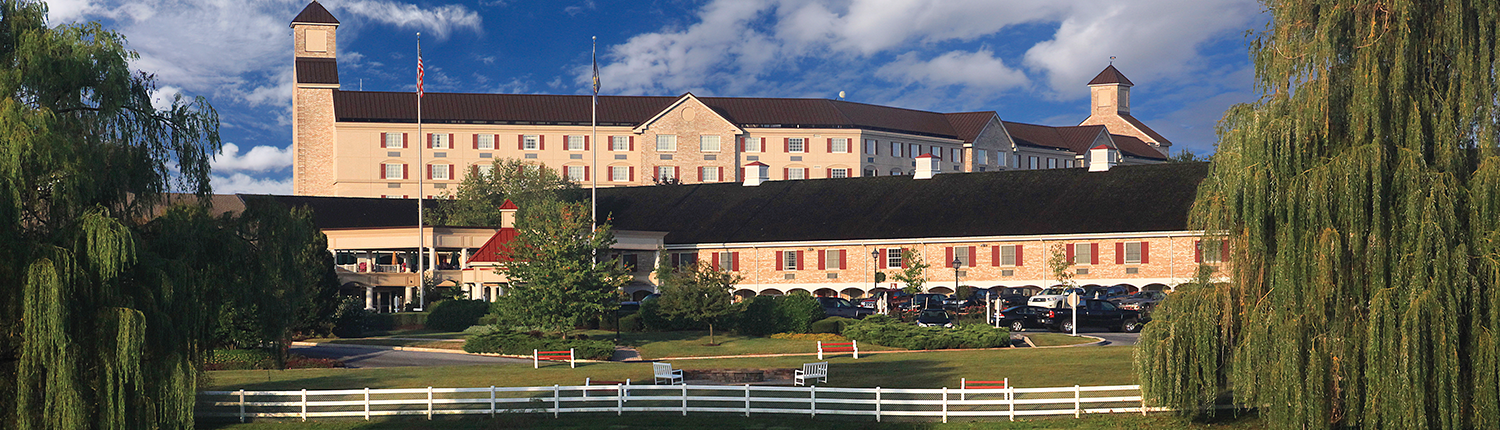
664	371
965	385
811	371
836	347
539	356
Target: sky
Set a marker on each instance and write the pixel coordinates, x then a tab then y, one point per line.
1028	60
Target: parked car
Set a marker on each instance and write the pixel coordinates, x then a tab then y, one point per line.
1016	296
838	307
1096	314
1143	301
1106	293
926	301
896	298
936	318
1020	318
1053	297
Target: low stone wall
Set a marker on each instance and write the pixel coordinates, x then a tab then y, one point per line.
734	376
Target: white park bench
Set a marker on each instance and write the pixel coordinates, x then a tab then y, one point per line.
664	371
811	371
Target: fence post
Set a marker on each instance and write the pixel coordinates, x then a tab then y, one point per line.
242	405
572	359
812	391
820	350
945	404
1010	396
304	404
963	389
534	364
684	399
492	401
856	349
1077	402
429	402
1143	400
586	384
747	400
877	404
627	389
367	403
556	400
619	399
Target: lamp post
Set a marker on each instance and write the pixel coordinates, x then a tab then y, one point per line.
875	280
957	264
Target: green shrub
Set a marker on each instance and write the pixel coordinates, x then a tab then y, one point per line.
654	320
797	311
514	343
882	330
456	315
833	325
476	330
351	319
399	321
759	316
254	359
488	319
631	323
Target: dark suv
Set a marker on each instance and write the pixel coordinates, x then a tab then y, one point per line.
1095	313
837	307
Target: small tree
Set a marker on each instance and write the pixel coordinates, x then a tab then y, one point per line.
914	275
1060	265
555	278
525	184
698	293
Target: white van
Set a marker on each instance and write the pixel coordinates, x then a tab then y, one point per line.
1054	297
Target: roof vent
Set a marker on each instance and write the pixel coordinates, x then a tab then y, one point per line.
756	173
927	166
508	214
1102	157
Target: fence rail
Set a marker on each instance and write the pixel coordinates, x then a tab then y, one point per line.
737	399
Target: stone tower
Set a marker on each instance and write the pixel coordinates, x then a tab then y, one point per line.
313	135
1109	101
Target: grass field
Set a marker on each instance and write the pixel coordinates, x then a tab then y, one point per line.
732	422
1025	367
654	345
1057	339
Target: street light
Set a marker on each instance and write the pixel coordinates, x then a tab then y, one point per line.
957	264
875	278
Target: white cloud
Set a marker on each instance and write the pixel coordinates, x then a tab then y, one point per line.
438	21
979	70
162	97
258	159
242	183
61	11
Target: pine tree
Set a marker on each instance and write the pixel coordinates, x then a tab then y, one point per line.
1361	199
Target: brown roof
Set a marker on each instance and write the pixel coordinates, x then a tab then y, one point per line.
1144	129
314	13
970	124
317	70
1110	75
1136	147
1075	138
370	106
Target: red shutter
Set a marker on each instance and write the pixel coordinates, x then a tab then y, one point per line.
382	171
632	143
632	173
742	143
1094	253
700	173
1019	260
804	173
829	173
880	258
822	260
541	142
973	259
1145	252
1224	250
677	173
521	141
742	174
450	172
1069	253
404	140
716	261
1119	252
994	255
585	143
948	261
429	140
450	141
780	260
474	170
404	173
799	260
786	173
762	145
585	173
382	140
565	143
1197	251
830	145
429	171
843	259
903	258
721	173
476	141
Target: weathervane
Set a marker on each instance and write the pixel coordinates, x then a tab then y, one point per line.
1111	60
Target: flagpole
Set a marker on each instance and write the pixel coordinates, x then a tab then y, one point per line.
421	187
594	132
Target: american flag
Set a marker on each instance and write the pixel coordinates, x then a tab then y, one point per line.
419	77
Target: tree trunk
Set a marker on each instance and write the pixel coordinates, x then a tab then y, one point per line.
711	335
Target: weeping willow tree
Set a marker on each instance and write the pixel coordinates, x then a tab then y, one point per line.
99	331
1361	199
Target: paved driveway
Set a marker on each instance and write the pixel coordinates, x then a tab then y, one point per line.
370	357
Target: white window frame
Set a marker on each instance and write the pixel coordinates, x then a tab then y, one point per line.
439	172
1212	250
871	145
1033	163
1132	253
666	172
916	150
440	141
840	145
958	155
709	143
486	169
893	257
619	143
530	142
752	144
896	172
486	142
796	145
575	143
570	170
726	261
789	260
961	253
796	173
666	143
896	149
1051	163
831	259
709	173
1083	254
394	140
838	173
1008	255
981	157
619	173
394	174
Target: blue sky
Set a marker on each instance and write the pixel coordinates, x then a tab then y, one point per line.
1028	60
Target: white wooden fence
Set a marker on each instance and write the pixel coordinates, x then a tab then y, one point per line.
736	399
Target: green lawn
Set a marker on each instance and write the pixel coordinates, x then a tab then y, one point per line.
654	345
1058	339
1025	367
730	422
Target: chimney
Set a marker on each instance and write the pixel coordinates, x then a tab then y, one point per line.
1102	158
508	214
757	173
927	165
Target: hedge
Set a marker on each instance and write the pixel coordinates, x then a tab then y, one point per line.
397	321
765	315
514	343
456	315
255	359
882	330
833	325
